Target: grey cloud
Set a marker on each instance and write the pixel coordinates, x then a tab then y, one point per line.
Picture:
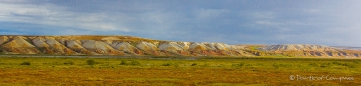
259	22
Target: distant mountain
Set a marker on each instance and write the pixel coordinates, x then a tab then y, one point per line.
137	46
306	50
347	48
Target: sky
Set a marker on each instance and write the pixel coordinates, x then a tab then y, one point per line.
324	22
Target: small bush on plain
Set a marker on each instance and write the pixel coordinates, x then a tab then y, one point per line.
194	64
91	62
129	62
69	63
123	62
167	64
238	65
314	64
25	63
134	63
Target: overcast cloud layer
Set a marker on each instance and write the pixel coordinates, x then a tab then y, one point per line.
325	22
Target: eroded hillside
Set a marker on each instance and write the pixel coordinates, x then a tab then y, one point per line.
136	46
112	45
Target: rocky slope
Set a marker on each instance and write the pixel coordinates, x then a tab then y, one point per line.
136	46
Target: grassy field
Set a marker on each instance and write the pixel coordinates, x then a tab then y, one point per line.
211	71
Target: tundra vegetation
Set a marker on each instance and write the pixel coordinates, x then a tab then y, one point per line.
175	71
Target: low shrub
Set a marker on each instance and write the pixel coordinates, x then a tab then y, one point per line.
69	63
314	64
134	63
194	64
334	64
238	65
167	64
278	65
351	65
91	62
170	64
129	62
25	63
123	62
337	63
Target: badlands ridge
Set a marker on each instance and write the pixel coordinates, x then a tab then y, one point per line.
136	46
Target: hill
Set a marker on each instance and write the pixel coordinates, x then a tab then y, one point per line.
137	46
